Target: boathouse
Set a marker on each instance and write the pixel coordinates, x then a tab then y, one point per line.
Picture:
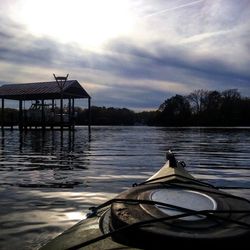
43	96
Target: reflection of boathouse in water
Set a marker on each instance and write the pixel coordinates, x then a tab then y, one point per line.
44	113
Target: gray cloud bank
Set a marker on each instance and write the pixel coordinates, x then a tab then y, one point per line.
133	74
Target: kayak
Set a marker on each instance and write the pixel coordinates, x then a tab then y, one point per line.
171	208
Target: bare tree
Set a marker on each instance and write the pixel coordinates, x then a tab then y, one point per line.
198	100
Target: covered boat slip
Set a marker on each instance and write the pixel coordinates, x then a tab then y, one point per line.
43	112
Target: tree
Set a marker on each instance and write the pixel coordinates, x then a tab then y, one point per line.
198	100
175	111
211	114
230	108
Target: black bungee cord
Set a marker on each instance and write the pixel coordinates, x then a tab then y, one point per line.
186	212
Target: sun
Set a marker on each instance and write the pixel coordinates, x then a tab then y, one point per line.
86	22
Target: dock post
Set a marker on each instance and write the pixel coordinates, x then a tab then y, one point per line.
73	113
89	114
69	115
2	114
11	121
43	115
20	115
53	113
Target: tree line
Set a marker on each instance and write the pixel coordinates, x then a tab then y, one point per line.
199	108
205	108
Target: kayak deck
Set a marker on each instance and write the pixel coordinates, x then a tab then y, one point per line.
149	201
83	231
88	229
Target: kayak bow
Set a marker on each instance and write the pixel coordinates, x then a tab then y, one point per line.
170	207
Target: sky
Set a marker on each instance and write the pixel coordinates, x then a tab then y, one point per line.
128	53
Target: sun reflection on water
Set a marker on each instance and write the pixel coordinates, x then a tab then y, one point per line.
76	216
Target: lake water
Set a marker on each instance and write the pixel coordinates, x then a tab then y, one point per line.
48	180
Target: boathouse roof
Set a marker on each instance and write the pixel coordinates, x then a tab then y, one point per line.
43	90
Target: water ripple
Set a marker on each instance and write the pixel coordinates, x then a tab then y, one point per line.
49	179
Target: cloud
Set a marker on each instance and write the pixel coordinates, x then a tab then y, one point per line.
21	48
170	63
176	47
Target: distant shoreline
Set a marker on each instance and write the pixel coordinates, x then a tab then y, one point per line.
200	108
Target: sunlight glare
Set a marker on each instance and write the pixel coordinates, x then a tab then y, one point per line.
86	22
76	216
